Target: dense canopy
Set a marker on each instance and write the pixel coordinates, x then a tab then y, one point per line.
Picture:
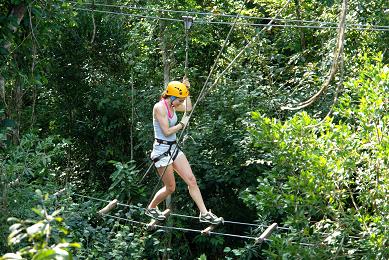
290	126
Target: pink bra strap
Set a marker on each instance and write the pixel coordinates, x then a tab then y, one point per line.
168	110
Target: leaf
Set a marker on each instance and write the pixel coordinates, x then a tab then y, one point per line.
45	254
55	213
14	227
13	219
16	239
76	245
10	256
61	253
39	212
38	227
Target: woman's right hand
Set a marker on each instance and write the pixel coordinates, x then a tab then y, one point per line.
184	120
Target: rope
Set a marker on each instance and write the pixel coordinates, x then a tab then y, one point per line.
187	24
182	229
196	230
367	28
200	231
192	217
174	214
226	15
338	54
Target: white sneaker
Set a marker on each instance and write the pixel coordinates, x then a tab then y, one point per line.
155	214
211	218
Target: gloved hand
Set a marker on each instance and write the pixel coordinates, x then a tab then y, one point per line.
184	120
185	80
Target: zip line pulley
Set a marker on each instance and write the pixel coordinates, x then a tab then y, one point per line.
188	21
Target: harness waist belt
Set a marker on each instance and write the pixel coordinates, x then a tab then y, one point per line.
160	141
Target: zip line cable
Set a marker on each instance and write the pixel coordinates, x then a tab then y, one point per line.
202	93
199	21
229	15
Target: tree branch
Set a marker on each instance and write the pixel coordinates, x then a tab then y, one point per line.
338	52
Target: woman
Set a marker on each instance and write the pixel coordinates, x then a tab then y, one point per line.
166	154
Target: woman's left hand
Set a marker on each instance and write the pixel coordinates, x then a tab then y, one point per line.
185	80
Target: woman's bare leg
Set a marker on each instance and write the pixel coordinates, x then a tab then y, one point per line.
181	165
168	188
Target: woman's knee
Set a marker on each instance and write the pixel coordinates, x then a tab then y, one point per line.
192	183
170	188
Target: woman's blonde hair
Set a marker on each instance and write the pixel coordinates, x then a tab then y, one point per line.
164	95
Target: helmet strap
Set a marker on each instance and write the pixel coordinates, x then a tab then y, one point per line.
172	98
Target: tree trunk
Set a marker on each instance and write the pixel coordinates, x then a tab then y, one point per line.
17	11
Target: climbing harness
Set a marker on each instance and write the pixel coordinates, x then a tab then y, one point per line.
173	154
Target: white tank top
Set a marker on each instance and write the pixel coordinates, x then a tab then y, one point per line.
172	119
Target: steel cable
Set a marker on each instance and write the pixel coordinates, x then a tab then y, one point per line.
231	16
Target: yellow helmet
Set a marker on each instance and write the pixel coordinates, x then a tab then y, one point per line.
177	89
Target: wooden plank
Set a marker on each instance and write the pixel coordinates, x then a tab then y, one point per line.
109	207
207	230
153	222
266	233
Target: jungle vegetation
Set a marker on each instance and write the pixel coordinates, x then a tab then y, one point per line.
292	128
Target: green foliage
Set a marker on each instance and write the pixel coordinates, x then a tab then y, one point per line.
202	257
333	172
109	238
5	129
44	238
85	82
34	160
34	163
125	182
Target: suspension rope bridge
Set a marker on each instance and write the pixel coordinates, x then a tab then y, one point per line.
268	229
112	204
